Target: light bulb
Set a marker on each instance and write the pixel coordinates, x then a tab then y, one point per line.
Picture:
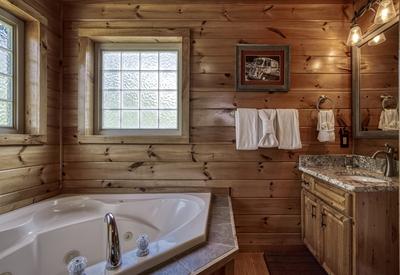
355	36
376	39
380	38
385	12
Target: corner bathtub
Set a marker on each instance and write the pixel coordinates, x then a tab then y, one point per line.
42	238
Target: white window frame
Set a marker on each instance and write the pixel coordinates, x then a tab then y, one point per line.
99	47
18	73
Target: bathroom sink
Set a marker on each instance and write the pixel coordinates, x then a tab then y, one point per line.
364	179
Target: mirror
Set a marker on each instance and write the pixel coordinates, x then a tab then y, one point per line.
376	83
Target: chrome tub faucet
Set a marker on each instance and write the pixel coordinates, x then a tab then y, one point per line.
113	250
389	156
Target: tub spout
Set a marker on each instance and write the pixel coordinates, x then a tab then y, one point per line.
113	252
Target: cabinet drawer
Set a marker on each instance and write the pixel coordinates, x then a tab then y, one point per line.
337	198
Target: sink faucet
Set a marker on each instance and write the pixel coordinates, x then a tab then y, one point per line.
389	155
113	251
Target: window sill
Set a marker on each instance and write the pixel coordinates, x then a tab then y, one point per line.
101	139
22	139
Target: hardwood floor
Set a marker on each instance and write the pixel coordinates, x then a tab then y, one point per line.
250	264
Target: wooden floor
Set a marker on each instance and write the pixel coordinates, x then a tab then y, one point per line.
250	264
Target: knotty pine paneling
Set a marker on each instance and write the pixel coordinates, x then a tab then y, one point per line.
369	146
264	184
32	173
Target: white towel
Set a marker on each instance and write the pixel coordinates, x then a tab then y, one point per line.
246	122
389	120
326	126
288	130
267	129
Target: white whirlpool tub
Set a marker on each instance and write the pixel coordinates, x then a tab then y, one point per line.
40	239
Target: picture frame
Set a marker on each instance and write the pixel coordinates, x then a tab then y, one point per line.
262	68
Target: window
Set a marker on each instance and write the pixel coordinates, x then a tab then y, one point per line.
11	73
138	89
135	89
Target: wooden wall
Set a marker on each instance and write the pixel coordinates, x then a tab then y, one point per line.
31	173
383	75
264	184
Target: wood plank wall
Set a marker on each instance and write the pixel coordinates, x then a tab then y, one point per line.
31	173
264	184
369	146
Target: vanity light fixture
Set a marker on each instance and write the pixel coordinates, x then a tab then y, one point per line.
355	35
380	38
385	12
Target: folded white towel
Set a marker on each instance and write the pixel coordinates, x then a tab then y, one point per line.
267	129
246	122
389	120
288	129
326	126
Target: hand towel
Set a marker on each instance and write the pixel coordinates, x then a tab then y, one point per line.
326	126
246	124
389	120
267	129
288	130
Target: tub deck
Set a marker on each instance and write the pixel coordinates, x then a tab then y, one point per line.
217	253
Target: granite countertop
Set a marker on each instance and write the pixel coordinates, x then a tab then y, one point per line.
332	169
221	243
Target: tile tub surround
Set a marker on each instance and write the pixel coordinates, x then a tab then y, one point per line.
221	246
332	169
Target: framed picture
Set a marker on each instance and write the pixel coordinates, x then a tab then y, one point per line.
262	68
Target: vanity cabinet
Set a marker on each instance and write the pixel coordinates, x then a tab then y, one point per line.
326	232
350	233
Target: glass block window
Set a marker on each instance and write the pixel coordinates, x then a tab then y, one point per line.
139	88
11	36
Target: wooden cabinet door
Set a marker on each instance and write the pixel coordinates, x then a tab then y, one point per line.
311	225
336	241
